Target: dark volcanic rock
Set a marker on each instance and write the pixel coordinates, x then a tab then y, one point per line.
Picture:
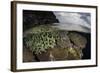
34	18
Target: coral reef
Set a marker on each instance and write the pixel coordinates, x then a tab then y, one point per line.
40	38
50	44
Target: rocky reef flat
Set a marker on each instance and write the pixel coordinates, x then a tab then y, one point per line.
53	45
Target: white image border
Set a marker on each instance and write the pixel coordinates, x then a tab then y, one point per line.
35	65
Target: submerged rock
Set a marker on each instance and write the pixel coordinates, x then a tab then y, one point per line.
77	39
28	55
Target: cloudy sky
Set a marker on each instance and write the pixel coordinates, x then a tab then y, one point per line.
74	21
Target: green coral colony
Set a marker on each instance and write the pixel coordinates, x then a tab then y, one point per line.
41	38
